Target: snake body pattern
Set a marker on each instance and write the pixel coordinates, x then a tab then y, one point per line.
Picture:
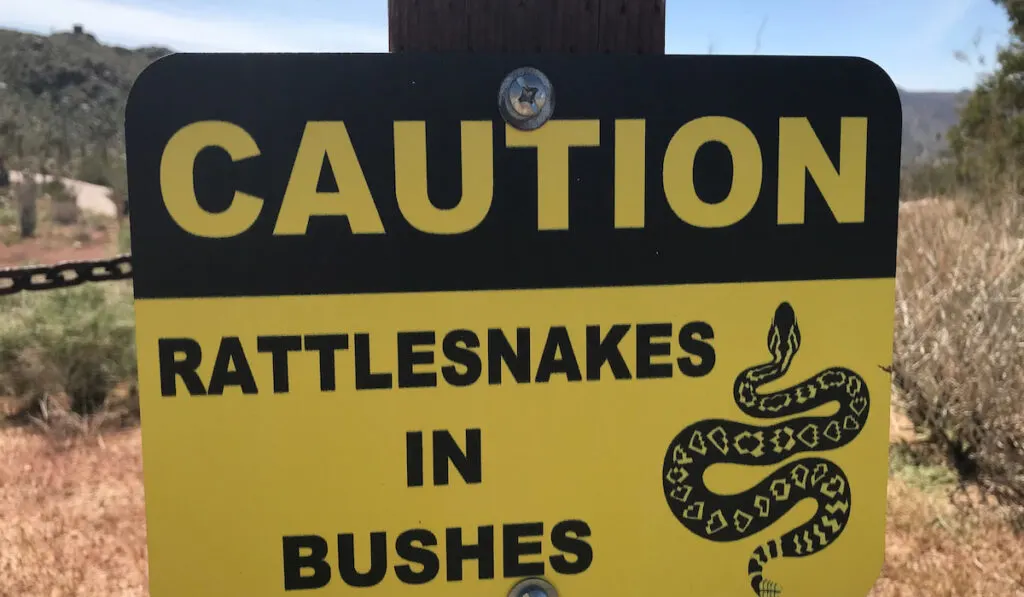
719	517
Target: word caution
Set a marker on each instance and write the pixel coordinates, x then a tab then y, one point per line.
799	152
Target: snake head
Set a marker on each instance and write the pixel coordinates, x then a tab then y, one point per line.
784	334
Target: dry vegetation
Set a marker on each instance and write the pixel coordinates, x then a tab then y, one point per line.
934	549
955	516
74	519
960	337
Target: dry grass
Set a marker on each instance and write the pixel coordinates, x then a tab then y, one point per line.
936	550
959	359
73	517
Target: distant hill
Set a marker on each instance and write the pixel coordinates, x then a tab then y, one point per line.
927	117
62	98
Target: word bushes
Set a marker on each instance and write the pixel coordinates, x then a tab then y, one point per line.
308	565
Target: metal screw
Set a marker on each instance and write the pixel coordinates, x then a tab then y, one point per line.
533	587
526	98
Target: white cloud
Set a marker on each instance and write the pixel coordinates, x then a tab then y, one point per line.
122	24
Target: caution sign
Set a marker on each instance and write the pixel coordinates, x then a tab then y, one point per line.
394	342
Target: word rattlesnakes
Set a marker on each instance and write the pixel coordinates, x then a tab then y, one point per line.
732	517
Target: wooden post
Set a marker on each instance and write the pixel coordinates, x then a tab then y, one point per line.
570	26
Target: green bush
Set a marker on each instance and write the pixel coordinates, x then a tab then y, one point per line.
931	179
988	141
8	213
77	342
94	168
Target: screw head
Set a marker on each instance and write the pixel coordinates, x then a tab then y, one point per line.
533	587
526	98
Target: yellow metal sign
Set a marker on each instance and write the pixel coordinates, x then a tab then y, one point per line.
391	344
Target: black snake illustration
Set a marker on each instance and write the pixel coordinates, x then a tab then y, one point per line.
732	517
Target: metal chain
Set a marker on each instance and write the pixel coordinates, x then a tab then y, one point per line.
64	274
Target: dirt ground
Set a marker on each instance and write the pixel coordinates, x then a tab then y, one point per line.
45	251
91	237
73	519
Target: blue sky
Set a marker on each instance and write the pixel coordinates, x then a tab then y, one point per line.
914	40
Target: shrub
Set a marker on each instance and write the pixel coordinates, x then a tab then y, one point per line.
8	213
78	342
63	203
959	359
93	168
933	179
65	212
